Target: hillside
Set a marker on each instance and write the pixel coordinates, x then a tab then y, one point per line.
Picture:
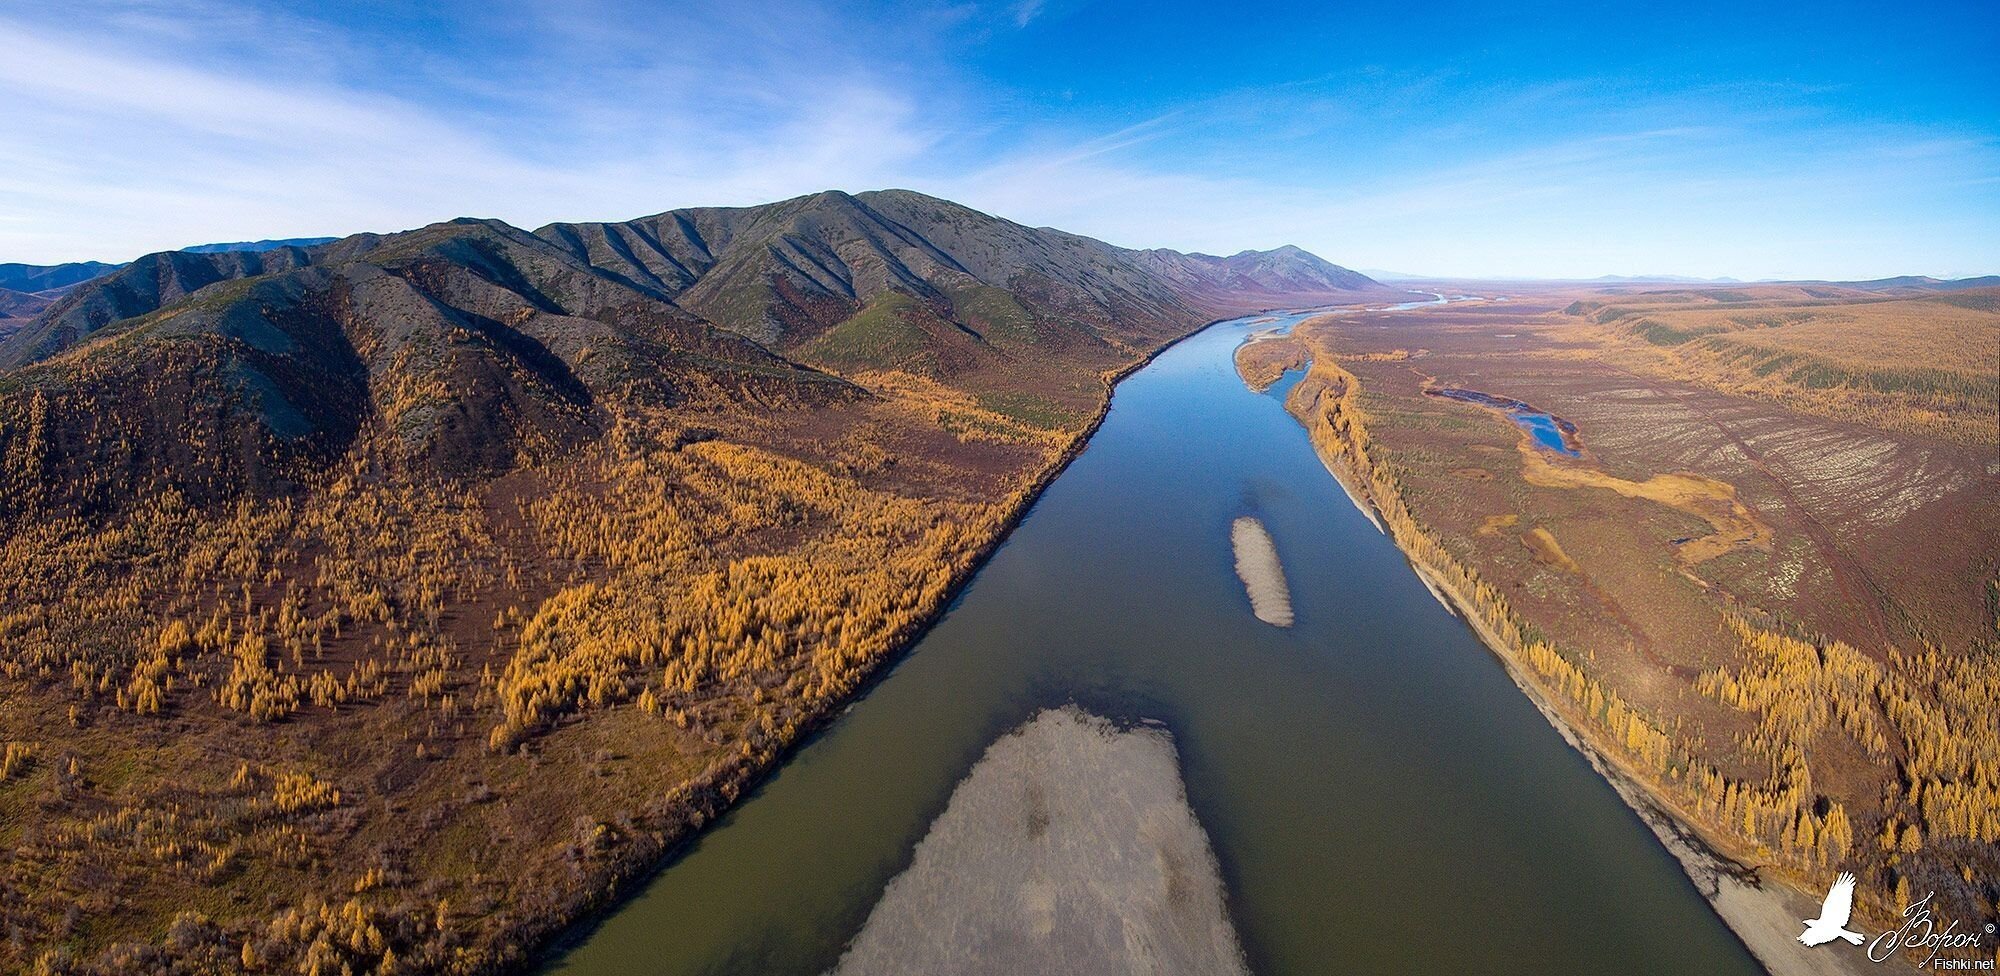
784	273
27	290
478	343
17	307
385	603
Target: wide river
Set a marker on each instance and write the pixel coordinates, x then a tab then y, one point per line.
1382	799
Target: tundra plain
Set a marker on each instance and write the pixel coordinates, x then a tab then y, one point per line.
1766	587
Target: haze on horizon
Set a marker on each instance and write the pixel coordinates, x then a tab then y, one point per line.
1540	140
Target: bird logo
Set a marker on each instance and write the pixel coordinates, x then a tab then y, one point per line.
1833	913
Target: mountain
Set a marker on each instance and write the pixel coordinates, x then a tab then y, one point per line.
27	290
469	345
472	343
1278	276
20	306
38	277
266	245
1924	283
33	278
784	273
146	285
340	553
17	308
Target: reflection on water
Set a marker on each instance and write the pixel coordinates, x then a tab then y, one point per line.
1379	796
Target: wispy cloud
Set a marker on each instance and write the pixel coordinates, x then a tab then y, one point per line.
117	145
141	125
1662	200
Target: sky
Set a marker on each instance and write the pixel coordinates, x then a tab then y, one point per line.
1525	139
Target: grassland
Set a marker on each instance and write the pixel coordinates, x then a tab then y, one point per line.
1925	365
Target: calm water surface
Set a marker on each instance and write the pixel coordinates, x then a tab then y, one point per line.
1550	432
1380	795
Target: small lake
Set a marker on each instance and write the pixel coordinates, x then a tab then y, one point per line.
1550	432
1379	795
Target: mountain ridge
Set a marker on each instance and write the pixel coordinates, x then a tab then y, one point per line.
694	258
268	244
470	344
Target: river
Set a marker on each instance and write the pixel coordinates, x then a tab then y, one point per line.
1380	796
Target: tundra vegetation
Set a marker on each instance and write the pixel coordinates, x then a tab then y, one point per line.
1767	588
383	605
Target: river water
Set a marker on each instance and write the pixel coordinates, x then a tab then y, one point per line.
1382	799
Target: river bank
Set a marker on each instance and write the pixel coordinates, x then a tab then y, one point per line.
1763	912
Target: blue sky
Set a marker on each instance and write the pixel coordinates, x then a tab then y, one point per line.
1520	139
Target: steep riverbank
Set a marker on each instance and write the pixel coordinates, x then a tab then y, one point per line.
1762	911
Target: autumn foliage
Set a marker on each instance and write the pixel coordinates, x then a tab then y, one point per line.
1926	717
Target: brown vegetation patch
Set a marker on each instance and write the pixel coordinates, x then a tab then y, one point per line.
1927	364
1265	359
1705	498
1547	550
1732	615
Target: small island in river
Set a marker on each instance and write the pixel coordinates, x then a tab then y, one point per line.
1069	848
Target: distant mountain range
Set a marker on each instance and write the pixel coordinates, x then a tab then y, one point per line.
1916	282
1922	283
37	278
265	245
26	290
478	343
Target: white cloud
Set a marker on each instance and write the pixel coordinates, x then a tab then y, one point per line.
119	147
